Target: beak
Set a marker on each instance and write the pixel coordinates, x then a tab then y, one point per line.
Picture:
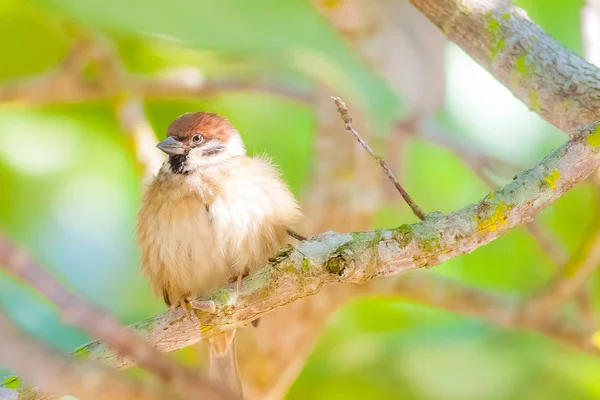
171	146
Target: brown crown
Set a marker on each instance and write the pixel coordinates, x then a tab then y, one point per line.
209	125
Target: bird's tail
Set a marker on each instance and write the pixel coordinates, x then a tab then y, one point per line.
222	363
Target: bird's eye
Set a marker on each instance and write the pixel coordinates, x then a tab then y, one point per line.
197	138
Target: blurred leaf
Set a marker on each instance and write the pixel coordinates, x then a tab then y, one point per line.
25	53
289	33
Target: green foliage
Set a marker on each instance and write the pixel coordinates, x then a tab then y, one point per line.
303	40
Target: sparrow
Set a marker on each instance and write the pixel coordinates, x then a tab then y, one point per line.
210	216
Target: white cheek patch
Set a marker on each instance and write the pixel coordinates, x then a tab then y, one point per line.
194	159
200	157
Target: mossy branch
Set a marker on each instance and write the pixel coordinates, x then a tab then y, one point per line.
300	271
554	82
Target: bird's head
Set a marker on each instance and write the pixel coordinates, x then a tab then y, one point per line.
200	139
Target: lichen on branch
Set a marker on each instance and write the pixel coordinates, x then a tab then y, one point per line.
300	271
561	87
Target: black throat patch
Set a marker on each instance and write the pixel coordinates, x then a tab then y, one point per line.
178	164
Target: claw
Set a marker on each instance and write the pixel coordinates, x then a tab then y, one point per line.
239	283
181	307
183	304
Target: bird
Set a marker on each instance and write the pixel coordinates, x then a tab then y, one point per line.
210	216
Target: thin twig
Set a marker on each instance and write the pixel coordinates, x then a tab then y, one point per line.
76	311
59	375
345	114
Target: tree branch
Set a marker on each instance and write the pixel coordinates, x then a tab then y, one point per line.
67	85
331	257
552	81
498	309
60	376
545	305
75	311
478	161
570	280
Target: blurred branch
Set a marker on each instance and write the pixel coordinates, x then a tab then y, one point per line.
548	243
61	376
347	118
553	81
331	257
497	309
134	122
570	280
68	85
97	323
175	84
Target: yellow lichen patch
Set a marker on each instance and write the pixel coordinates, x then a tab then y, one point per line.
553	178
205	328
534	101
466	9
493	28
12	382
492	25
522	70
497	48
594	138
492	223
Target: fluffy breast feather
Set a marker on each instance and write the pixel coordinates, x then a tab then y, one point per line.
251	214
176	241
197	231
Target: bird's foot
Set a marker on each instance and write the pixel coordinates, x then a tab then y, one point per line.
182	306
238	280
188	301
208	306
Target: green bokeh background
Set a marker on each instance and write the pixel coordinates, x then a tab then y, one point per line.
69	188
